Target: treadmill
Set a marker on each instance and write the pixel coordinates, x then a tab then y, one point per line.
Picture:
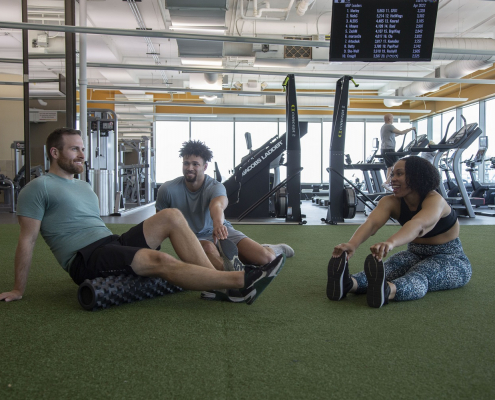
459	141
371	170
413	148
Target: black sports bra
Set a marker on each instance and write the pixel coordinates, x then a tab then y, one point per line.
442	226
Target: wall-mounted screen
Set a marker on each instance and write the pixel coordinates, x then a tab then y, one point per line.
382	30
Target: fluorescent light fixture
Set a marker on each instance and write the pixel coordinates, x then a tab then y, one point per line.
216	62
281	62
196	28
247	94
165	116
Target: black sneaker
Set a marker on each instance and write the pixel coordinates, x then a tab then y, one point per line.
339	280
230	295
256	279
378	288
230	254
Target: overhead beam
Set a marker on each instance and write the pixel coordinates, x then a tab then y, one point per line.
268	93
253	106
192	36
161	34
373	78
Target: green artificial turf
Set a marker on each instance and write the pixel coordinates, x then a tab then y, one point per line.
292	343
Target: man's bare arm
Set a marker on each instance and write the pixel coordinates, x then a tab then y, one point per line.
397	132
217	207
24	253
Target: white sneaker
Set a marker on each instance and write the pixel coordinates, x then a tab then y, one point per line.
281	248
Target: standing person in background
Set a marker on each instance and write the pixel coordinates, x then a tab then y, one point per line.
388	132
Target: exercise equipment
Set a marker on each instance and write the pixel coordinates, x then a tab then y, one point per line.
293	195
341	204
276	189
136	172
102	157
352	198
7	186
459	141
372	169
102	293
251	178
478	190
12	187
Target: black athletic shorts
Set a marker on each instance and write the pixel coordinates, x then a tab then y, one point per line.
389	159
111	255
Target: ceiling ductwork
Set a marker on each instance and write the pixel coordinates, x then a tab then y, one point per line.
303	6
202	15
211	78
464	65
257	13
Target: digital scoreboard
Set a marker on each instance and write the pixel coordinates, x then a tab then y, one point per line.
382	30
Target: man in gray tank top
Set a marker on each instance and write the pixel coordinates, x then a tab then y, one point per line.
388	132
202	200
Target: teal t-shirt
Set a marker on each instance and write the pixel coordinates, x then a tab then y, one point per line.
68	211
193	205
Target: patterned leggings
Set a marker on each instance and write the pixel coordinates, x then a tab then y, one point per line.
424	268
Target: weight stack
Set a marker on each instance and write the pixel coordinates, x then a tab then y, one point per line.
115	290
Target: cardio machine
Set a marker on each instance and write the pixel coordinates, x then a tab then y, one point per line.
479	190
459	141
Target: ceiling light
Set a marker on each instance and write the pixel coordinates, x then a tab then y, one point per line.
136	135
281	63
193	28
202	61
247	94
263	85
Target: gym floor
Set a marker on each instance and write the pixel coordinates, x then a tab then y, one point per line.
313	212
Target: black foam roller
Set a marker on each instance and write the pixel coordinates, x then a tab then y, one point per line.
114	290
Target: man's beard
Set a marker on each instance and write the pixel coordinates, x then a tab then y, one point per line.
191	179
69	166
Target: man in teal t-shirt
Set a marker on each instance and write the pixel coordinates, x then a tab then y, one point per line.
65	210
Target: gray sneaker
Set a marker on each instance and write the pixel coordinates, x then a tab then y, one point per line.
281	248
230	254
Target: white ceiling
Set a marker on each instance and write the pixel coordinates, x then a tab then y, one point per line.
458	19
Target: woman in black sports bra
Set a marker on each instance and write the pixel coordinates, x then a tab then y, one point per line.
434	259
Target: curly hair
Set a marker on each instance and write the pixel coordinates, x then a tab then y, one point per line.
56	139
421	175
196	148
